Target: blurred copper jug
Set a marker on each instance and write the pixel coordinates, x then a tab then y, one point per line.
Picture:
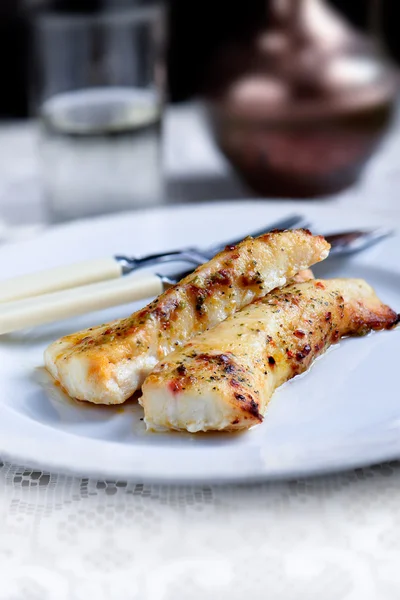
300	108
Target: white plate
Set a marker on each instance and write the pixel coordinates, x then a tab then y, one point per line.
344	413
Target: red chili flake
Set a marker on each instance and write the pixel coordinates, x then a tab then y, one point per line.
328	316
299	334
175	386
320	285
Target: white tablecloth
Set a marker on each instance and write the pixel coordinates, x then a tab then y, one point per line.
66	538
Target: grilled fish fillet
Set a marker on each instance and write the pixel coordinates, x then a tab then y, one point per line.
224	378
107	364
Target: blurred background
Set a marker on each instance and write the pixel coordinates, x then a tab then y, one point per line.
295	96
197	31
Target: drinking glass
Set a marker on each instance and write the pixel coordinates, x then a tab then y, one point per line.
98	93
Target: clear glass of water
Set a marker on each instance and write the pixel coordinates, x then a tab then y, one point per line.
98	92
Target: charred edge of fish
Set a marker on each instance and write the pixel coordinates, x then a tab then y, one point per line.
221	277
165	311
335	336
394	322
181	369
222	360
304	230
301	355
199	295
249	405
234	383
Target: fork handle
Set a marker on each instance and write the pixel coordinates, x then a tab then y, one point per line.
64	304
60	278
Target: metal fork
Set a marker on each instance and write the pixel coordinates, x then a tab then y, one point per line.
105	269
94	271
28	311
352	242
197	256
342	244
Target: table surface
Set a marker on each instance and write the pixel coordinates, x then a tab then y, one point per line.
66	538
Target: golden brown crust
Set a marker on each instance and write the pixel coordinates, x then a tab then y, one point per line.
236	269
242	361
214	291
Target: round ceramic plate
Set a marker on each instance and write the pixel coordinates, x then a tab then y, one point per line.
345	412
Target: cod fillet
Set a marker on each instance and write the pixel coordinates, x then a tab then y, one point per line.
224	378
108	363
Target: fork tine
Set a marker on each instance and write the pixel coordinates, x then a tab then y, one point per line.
381	233
352	242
